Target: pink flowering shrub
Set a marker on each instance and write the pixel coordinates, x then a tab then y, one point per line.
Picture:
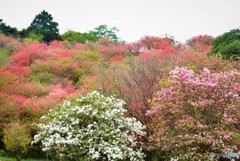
117	58
197	114
200	43
60	92
9	43
109	52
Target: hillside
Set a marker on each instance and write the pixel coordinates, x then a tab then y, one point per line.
188	101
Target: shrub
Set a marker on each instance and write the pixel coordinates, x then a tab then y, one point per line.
42	77
200	43
91	128
16	139
197	114
9	44
44	72
4	57
88	60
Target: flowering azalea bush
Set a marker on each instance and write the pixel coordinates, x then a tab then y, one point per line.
197	114
91	128
200	43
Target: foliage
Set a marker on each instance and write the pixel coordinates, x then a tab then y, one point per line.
5	156
16	139
201	42
9	44
23	100
135	81
102	31
231	51
44	25
221	42
88	60
91	128
152	42
74	37
62	69
37	77
147	41
113	50
197	114
4	57
8	30
33	35
90	83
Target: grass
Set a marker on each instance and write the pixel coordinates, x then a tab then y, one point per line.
7	157
13	159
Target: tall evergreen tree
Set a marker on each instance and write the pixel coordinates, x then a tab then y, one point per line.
44	25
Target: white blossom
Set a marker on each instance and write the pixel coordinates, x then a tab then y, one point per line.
91	125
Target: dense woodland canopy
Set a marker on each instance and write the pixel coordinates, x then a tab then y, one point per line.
185	98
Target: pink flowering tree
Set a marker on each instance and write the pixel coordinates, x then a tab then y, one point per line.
197	114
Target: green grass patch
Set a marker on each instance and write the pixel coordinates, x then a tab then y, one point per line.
7	157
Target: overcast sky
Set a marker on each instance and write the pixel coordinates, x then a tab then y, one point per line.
182	19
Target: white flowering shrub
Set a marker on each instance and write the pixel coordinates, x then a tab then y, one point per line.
91	128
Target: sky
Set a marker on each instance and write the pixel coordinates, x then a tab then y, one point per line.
182	19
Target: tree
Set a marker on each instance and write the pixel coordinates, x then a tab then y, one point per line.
16	139
135	81
220	43
8	30
34	36
91	128
231	51
103	31
77	37
44	25
73	37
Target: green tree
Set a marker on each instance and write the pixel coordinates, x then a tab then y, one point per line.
32	35
104	31
231	51
16	139
73	37
44	25
90	36
35	36
8	30
225	45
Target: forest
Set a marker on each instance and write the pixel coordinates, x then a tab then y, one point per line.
93	97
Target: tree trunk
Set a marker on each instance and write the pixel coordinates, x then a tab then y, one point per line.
18	158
